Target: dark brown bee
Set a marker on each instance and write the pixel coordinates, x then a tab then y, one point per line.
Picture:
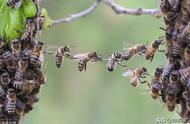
5	79
114	59
61	53
156	83
21	70
185	76
37	55
170	102
137	49
186	56
16	49
149	55
136	75
186	96
40	77
11	101
85	58
9	61
14	3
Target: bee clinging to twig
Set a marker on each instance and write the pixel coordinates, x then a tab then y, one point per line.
137	49
85	58
136	75
114	59
61	53
149	55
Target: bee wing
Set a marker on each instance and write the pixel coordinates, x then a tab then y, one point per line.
79	56
18	4
128	73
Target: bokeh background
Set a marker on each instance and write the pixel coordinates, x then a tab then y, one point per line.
98	96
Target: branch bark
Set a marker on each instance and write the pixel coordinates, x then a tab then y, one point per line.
118	9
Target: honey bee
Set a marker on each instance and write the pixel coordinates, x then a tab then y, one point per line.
9	61
16	49
156	83
168	10
36	57
11	101
114	59
170	102
186	57
5	79
137	49
149	55
40	77
20	71
136	75
27	87
186	96
185	76
14	3
61	53
85	58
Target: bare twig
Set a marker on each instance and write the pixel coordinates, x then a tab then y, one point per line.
77	15
118	9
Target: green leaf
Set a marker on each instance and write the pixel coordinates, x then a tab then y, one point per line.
48	20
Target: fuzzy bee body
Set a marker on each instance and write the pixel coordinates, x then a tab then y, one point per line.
60	55
18	84
16	49
14	3
149	55
40	77
11	101
35	58
136	75
115	58
156	83
171	103
9	61
137	49
83	59
185	75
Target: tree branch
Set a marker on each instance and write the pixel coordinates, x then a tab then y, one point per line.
118	9
77	15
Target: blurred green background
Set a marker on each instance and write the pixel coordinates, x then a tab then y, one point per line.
97	96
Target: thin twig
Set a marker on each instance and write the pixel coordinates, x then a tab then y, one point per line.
118	9
77	15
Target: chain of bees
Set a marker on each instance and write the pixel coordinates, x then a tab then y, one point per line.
21	62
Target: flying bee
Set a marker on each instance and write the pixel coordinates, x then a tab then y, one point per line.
85	58
61	53
156	83
137	49
114	59
136	75
149	55
5	79
14	3
16	49
37	55
20	71
11	101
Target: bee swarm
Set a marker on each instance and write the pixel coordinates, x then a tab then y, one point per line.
20	72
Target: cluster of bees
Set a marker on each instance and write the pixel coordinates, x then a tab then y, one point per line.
21	76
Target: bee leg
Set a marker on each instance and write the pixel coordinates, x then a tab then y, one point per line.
85	66
151	58
121	64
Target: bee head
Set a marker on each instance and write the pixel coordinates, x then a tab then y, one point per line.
174	75
10	91
143	48
66	49
159	71
117	55
5	75
16	43
39	45
156	43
